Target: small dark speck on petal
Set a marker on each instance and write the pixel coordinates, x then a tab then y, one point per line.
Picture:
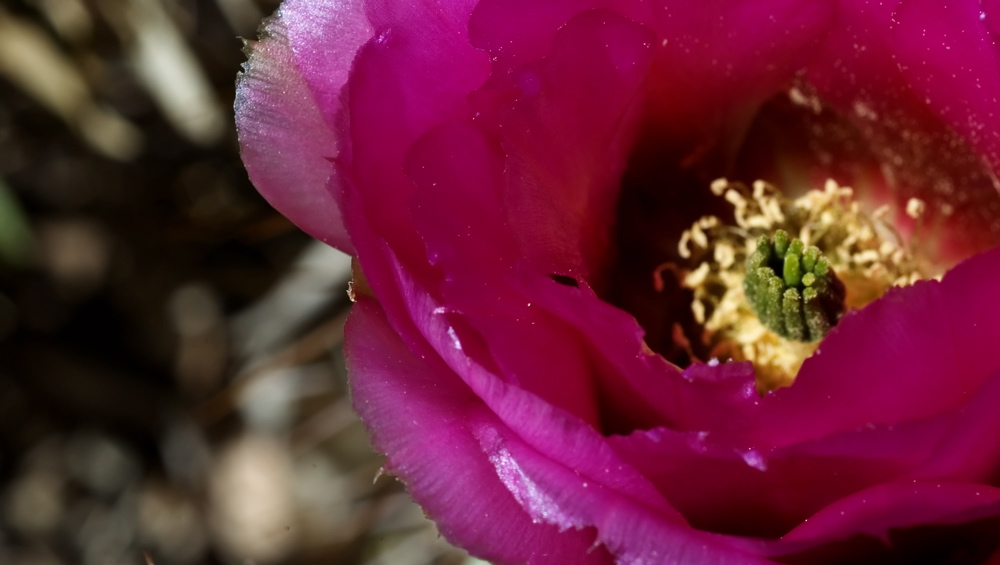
564	280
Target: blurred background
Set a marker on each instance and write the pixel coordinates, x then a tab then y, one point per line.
172	387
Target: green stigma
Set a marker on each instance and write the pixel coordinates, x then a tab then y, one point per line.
792	289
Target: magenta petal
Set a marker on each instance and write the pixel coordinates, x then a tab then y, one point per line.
552	204
756	492
875	405
422	416
915	353
638	389
885	512
919	80
970	449
546	428
515	31
412	77
478	166
931	41
561	203
990	15
285	126
721	487
630	530
458	173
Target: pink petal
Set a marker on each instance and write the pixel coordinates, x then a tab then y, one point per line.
721	486
874	406
765	493
561	435
286	103
560	203
458	213
907	522
424	418
518	31
721	59
458	177
989	14
931	41
919	80
413	76
572	191
915	353
638	389
970	449
472	194
626	526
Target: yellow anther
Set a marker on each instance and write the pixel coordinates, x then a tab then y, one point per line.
682	246
719	186
725	256
915	208
698	276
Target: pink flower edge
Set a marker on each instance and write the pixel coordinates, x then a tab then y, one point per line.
287	102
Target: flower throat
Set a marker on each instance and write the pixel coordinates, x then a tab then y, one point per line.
770	287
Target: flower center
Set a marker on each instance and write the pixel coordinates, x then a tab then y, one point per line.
770	287
792	289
